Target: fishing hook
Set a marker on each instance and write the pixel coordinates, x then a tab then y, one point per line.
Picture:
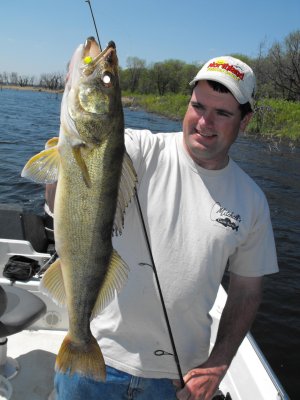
89	3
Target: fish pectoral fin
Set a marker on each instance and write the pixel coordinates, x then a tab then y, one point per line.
82	165
43	167
114	280
52	283
51	142
126	192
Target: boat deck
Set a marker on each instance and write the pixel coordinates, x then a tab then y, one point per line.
35	352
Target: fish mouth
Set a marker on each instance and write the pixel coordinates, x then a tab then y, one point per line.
92	48
93	58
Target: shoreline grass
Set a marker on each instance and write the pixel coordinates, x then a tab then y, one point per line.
273	118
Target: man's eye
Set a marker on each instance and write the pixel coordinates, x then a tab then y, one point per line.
223	114
197	105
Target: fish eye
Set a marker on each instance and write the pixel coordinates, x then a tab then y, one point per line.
107	79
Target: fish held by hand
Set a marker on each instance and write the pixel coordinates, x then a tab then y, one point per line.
95	182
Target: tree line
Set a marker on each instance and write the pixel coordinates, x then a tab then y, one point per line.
52	81
277	71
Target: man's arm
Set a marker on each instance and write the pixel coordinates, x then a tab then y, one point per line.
50	191
244	297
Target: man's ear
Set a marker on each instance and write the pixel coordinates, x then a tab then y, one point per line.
245	121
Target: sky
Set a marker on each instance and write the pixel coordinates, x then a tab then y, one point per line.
40	36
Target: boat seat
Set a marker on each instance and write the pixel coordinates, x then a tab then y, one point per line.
20	225
18	310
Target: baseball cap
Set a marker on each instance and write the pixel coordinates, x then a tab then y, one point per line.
233	73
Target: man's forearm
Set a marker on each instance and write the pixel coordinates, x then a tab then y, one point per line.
244	297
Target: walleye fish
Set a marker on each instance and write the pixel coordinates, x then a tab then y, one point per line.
95	182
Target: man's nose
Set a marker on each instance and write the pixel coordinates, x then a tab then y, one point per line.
206	119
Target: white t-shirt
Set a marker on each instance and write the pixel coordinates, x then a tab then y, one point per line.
197	220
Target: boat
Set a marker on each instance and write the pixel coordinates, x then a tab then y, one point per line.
27	357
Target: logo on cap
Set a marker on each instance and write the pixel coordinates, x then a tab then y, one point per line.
229	69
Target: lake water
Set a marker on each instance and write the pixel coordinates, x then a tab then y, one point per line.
29	119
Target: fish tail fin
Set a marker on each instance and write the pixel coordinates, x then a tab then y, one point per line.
83	359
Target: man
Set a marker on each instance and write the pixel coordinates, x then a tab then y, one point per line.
201	212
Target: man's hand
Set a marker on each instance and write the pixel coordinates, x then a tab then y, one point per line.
243	299
201	383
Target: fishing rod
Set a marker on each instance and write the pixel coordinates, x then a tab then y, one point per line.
153	266
89	3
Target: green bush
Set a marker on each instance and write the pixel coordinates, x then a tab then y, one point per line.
274	117
172	106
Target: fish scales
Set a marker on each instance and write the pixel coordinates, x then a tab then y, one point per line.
84	222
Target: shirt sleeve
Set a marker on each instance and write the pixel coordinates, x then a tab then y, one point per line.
134	143
256	256
142	145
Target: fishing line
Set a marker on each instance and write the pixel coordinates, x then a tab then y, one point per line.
175	354
89	3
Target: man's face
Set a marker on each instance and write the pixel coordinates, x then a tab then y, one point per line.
210	126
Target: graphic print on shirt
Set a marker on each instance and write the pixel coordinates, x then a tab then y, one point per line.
225	217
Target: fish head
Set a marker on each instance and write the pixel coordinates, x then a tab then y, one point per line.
99	78
93	104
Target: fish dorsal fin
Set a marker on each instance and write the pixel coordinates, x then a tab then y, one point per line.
52	283
114	280
44	166
126	192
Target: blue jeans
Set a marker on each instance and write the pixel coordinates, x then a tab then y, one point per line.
118	386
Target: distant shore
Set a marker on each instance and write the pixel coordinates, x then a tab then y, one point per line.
126	101
31	88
